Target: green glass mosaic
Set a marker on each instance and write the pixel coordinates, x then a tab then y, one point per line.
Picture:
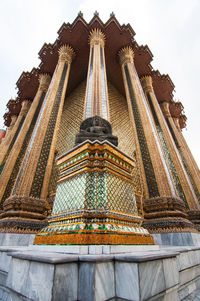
167	154
95	190
44	155
148	167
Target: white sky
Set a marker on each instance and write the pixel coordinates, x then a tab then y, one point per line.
169	27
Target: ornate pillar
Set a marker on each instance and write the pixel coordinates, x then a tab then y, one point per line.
157	175
30	189
16	155
177	170
13	121
96	99
185	146
40	146
6	141
9	134
183	149
164	211
14	132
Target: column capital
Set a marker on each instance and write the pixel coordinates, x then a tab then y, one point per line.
44	81
97	37
66	54
26	103
176	122
165	109
126	55
13	119
146	82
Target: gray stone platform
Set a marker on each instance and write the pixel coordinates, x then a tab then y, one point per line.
177	239
171	273
12	239
100	273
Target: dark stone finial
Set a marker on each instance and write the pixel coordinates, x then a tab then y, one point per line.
80	14
96	13
95	128
112	14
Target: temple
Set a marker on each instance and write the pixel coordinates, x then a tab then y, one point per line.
94	153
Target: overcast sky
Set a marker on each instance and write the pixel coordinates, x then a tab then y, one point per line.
171	29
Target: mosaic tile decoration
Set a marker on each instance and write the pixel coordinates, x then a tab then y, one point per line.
44	155
148	167
167	154
121	126
21	155
96	190
95	201
53	180
71	119
184	162
119	117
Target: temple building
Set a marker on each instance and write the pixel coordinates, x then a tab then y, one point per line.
94	152
97	69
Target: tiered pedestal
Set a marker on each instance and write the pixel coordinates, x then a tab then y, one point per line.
95	200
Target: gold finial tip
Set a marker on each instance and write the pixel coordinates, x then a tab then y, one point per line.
66	53
97	36
126	55
66	48
126	49
146	77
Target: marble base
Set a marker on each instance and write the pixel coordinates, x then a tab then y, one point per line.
177	239
14	239
171	273
162	239
94	249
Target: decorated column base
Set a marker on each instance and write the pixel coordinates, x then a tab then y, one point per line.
194	217
165	215
95	200
22	214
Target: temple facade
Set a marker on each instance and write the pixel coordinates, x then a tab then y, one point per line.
94	144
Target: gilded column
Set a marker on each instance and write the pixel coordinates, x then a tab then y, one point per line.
96	99
157	175
184	143
31	186
9	134
13	121
164	211
16	127
179	175
6	142
16	155
186	156
41	148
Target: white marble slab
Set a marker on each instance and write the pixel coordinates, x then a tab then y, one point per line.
171	272
40	281
94	249
60	249
127	280
104	281
65	282
18	275
151	278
